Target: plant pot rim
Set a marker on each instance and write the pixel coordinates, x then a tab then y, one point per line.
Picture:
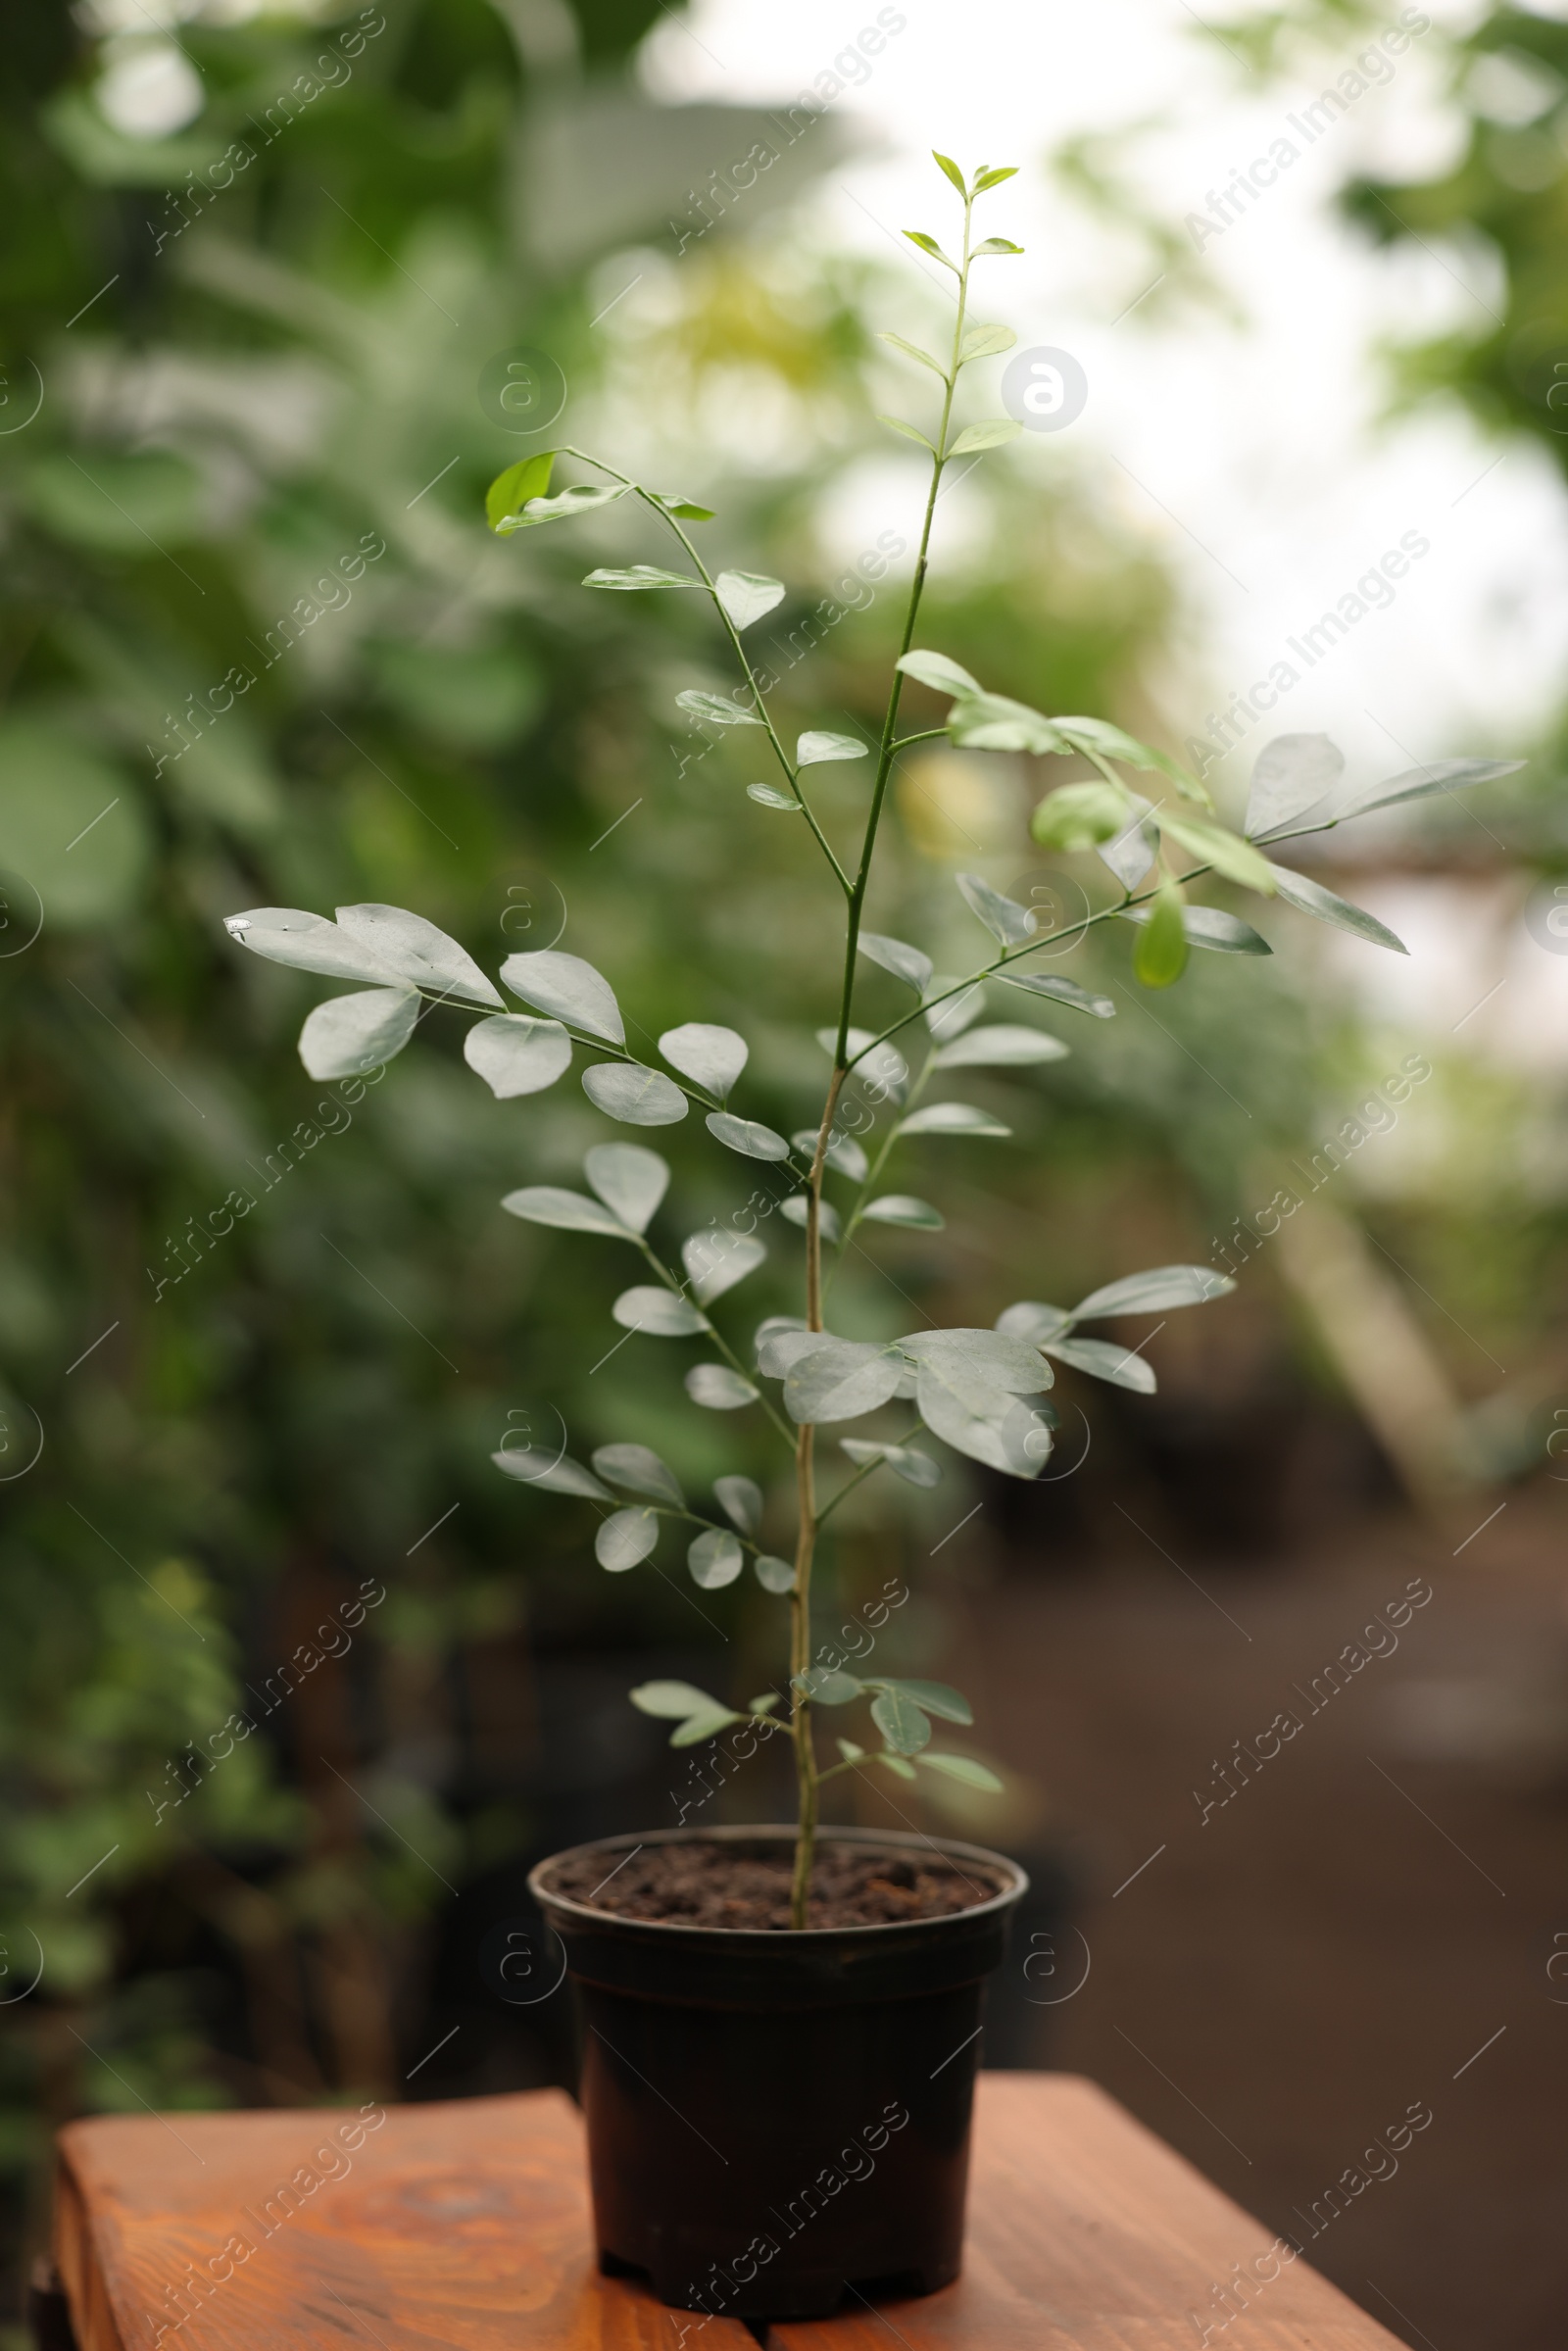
772	1938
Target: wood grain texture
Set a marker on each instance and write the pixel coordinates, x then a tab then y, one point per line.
1088	2233
459	2227
465	2227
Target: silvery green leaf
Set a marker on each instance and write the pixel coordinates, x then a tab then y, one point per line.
1004	1046
747	595
990	1425
1310	897
1062	992
639	1469
1157	1292
984	342
901	1722
742	1501
953	1118
579	501
955	1013
811	749
1212	927
570	1211
1003	917
767	796
1223	851
418	952
658	1312
906	1461
1104	1360
901	1208
350	1034
673	1701
745	1136
795	1211
1112	743
638	1096
839	1379
772	1573
1294	777
995	722
717	1262
623	1538
850	1751
827	1685
940	1698
884	1065
906	963
1415	783
843	1155
990	1358
629	1179
936	670
780	1339
897	1765
711	1058
568	989
715	709
988	435
515	1054
682	507
1036	1324
309	942
641	575
553	1473
1130	855
699	1727
715	1559
963	1769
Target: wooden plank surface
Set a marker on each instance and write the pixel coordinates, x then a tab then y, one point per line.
465	2227
462	2226
1088	2233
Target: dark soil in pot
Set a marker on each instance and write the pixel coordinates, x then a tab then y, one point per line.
775	2118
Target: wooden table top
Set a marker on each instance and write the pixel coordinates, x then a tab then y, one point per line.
465	2227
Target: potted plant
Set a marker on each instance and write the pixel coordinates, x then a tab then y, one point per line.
782	2023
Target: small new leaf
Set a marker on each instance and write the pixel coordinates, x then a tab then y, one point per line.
1160	956
917	236
510	491
985	342
913	351
990	434
910	432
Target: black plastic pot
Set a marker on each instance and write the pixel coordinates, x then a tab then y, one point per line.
774	2117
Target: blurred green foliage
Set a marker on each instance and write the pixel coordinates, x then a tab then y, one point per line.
268	1332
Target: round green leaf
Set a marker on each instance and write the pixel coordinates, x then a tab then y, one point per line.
350	1034
658	1312
718	1387
745	1136
639	1468
626	1538
636	1095
516	1053
742	1500
773	1575
715	1558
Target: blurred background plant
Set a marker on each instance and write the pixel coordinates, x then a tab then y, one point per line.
222	1421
